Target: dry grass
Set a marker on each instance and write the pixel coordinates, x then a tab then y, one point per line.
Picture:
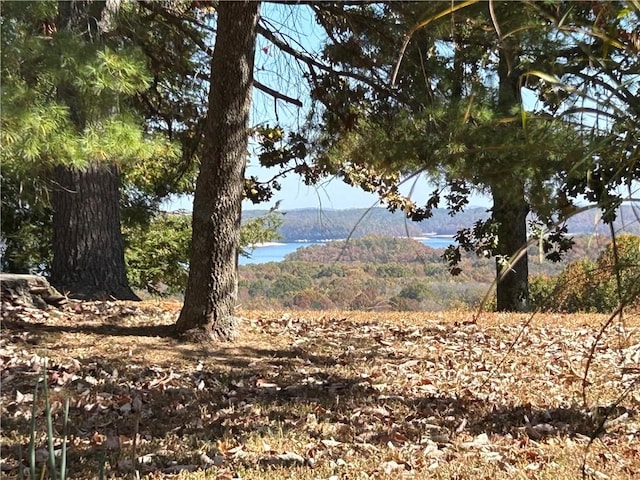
334	395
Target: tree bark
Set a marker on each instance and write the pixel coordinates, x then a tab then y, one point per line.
88	250
510	210
29	291
510	207
210	297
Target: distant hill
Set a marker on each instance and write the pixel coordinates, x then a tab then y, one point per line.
312	224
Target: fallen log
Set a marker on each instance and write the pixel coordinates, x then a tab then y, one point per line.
29	291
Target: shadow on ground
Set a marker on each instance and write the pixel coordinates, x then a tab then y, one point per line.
111	329
233	393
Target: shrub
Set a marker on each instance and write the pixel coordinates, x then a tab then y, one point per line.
288	284
415	291
541	289
392	270
310	299
586	286
576	288
330	271
159	252
627	268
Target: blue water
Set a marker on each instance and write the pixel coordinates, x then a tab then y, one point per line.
276	253
273	253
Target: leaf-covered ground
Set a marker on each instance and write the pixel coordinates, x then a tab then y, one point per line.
326	396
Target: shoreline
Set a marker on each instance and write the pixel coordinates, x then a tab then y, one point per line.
427	237
267	244
324	241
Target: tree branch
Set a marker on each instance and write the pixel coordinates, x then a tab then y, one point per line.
275	94
312	62
177	22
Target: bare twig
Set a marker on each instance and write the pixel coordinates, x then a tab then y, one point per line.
312	62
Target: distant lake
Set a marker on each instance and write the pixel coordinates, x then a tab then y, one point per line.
276	253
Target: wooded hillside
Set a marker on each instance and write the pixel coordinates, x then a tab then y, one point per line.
325	224
384	273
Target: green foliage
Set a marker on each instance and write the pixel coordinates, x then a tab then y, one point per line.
157	253
443	96
620	262
592	286
25	220
446	115
595	88
415	291
258	230
69	101
541	290
122	97
392	270
577	288
287	285
98	123
331	271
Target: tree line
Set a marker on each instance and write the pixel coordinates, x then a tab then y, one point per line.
109	107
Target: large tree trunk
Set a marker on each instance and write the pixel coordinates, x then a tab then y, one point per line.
210	296
510	211
510	207
88	250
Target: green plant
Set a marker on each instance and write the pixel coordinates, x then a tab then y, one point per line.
415	291
54	473
541	289
600	286
157	253
51	468
620	267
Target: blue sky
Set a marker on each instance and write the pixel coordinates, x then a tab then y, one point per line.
296	24
277	71
332	194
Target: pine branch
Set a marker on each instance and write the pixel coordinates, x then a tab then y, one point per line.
178	22
279	43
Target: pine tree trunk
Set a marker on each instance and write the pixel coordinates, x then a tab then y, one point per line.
88	250
510	211
210	297
510	207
